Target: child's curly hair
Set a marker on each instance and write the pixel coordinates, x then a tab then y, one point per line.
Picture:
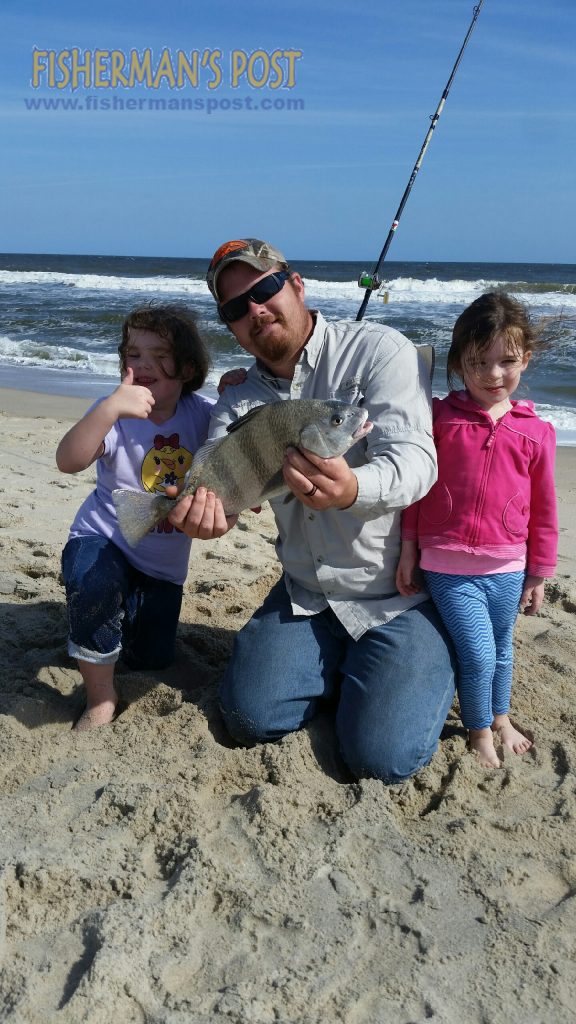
177	324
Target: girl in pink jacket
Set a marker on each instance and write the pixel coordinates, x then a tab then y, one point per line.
486	535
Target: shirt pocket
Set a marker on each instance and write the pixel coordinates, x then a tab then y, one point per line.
515	514
436	507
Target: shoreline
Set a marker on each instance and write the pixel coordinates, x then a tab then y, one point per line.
52	381
58	383
52	395
171	874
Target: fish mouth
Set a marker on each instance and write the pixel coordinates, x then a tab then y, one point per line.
362	430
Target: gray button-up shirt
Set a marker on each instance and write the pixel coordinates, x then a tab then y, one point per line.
346	559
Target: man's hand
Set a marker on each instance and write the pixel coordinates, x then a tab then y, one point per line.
201	515
320	483
231	378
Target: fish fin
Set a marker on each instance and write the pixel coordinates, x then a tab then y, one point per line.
244	419
138	512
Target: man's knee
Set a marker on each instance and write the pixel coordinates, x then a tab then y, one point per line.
248	718
387	760
247	725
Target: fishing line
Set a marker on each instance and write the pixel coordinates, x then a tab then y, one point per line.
371	281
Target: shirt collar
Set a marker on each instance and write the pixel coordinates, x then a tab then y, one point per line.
313	346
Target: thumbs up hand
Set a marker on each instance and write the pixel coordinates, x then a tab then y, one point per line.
131	400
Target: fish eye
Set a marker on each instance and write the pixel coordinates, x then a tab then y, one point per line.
337	420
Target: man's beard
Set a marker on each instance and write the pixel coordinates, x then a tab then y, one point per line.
273	347
286	343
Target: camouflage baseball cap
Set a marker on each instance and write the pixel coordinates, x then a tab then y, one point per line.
254	251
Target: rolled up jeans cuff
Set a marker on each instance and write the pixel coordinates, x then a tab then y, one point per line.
94	657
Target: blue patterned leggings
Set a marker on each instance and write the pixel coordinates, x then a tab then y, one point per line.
479	613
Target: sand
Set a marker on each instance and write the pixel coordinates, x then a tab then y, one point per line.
152	872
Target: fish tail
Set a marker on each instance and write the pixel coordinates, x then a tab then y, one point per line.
138	512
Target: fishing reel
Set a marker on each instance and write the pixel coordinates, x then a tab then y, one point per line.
369	281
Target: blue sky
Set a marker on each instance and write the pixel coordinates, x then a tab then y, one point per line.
322	182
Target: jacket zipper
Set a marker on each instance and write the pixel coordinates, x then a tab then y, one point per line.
489	448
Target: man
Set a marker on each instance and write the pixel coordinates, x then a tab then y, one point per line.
335	626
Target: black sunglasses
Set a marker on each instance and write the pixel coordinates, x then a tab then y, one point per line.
263	290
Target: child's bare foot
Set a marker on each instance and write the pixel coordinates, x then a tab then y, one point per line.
101	696
481	743
511	737
94	717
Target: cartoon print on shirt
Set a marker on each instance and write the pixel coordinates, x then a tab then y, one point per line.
164	465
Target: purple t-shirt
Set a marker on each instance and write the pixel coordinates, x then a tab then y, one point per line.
144	456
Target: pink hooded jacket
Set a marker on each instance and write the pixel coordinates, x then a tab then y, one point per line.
495	491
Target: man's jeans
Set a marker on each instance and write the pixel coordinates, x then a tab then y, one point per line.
394	686
113	607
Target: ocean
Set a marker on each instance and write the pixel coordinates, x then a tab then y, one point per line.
61	316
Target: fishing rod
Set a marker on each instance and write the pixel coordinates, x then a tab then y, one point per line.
371	281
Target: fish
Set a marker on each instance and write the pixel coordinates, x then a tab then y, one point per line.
244	468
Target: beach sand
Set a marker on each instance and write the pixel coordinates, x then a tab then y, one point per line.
152	872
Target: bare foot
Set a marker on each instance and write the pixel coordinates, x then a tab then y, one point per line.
101	696
511	737
93	718
481	743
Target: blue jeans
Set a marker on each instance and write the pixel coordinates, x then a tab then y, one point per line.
394	685
479	613
113	607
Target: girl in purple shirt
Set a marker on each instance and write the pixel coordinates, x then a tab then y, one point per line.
143	436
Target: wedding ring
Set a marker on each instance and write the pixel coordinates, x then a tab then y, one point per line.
311	493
